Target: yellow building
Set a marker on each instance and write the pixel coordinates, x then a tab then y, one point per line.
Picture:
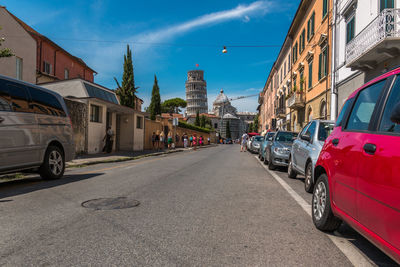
300	76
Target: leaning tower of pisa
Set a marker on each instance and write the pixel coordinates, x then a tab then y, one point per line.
196	92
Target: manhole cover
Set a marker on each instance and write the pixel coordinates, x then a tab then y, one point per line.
110	203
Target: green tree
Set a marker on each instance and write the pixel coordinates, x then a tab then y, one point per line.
203	120
173	105
127	91
250	127
228	130
4	52
155	104
255	124
197	121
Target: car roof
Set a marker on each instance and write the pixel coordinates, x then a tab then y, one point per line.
377	79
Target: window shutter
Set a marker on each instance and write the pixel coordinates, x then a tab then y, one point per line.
319	66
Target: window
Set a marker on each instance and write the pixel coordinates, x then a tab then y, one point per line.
45	103
325	129
19	98
5	99
350	29
304	129
311	27
294	82
288	62
302	40
309	114
324	8
66	74
295	52
342	112
302	81
364	106
311	130
394	98
322	110
323	63
95	113
310	74
386	4
139	122
215	125
284	66
46	67
18	73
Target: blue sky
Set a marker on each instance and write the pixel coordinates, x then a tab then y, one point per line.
168	39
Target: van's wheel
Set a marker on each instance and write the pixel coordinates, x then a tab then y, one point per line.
308	181
291	173
322	214
53	165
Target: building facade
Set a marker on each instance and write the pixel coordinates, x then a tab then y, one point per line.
366	44
37	58
299	81
196	93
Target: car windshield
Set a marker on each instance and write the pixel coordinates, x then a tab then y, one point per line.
285	137
258	138
325	129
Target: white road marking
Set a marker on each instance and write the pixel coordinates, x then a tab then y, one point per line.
352	253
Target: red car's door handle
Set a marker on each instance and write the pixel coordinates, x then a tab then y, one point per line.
370	148
335	142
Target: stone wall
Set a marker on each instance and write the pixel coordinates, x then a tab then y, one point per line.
78	113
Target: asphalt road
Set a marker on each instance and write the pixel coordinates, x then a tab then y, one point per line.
211	207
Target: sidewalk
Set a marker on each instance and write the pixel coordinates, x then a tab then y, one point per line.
84	160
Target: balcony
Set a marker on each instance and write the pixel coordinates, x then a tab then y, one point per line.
280	112
377	42
296	101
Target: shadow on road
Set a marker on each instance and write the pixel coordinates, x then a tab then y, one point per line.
18	187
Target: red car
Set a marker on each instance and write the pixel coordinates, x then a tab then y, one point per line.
358	168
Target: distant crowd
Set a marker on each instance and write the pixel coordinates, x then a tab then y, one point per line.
161	141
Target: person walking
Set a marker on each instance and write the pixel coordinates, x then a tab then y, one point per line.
185	141
158	140
153	140
208	140
243	146
191	140
108	138
169	140
194	141
162	139
200	140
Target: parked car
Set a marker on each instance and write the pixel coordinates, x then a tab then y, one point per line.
228	141
278	150
35	129
267	138
306	149
256	143
358	168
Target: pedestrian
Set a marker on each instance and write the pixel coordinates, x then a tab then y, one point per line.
169	139
200	140
158	140
153	140
108	138
243	146
194	141
191	140
162	139
208	140
185	141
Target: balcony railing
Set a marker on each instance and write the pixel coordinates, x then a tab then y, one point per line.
296	101
385	26
280	112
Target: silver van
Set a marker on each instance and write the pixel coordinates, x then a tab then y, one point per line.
35	129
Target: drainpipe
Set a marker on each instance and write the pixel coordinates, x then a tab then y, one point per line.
334	97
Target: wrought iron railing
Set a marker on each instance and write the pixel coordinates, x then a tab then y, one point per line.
385	25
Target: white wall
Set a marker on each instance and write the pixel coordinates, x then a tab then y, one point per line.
96	131
138	137
21	44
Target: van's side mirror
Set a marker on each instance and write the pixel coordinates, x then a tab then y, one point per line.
395	116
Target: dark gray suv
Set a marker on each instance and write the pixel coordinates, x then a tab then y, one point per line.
35	129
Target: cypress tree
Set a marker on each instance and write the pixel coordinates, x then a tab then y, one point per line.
203	121
197	121
126	92
250	127
228	130
155	104
255	124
